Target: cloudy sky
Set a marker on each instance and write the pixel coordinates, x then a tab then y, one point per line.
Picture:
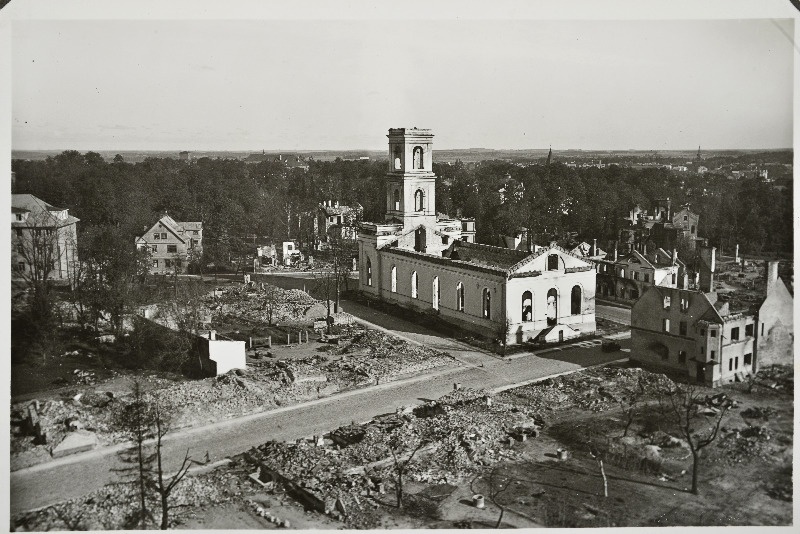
340	84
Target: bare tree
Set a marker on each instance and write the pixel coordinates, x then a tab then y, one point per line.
498	484
630	401
599	454
404	442
272	299
697	421
134	419
164	485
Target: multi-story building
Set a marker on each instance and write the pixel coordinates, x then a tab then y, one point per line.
44	239
659	227
172	244
625	278
423	260
692	332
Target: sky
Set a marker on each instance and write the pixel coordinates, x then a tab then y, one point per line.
341	84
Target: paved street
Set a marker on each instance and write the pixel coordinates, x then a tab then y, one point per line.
613	313
74	476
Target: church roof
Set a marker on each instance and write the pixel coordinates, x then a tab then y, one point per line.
485	255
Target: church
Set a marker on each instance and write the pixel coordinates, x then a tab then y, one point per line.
424	260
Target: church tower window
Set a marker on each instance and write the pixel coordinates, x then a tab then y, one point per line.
419	200
418	163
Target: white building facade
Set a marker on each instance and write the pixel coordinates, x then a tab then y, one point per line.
427	261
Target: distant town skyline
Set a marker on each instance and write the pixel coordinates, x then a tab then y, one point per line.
340	85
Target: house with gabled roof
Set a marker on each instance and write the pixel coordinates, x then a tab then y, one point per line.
44	239
172	244
427	261
625	278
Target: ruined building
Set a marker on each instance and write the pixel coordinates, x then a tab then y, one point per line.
776	321
423	260
660	227
336	221
692	332
625	278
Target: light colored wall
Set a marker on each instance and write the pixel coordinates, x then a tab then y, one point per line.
227	354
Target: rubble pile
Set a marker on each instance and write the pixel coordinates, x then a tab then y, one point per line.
740	444
367	356
777	377
112	506
252	304
595	389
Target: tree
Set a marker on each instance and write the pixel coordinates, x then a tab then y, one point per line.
163	485
146	420
134	419
599	454
404	442
697	420
629	402
272	299
498	483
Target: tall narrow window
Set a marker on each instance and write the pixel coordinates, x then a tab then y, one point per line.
396	200
414	286
397	155
487	303
394	279
369	272
435	293
419	200
418	157
575	300
527	307
460	297
552	307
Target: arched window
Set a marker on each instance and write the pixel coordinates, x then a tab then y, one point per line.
552	262
419	200
487	303
397	155
418	157
552	307
396	200
394	279
435	293
575	301
414	286
460	297
527	307
369	272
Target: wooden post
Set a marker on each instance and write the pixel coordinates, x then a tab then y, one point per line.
288	339
269	342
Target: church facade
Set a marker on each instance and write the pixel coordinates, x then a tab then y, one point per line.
424	260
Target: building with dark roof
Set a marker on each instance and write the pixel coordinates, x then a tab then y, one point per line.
424	260
44	239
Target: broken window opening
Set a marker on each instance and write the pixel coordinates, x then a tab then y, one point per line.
527	307
575	301
435	293
414	287
552	262
394	279
487	303
460	297
418	162
419	200
369	272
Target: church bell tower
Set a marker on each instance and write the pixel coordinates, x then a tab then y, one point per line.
411	184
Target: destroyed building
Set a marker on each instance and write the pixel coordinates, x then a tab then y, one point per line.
44	239
172	244
693	332
336	221
776	321
660	227
427	261
625	278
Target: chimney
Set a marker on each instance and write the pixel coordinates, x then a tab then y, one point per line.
707	268
674	256
737	253
337	204
772	277
212	335
644	249
669	209
594	248
615	251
